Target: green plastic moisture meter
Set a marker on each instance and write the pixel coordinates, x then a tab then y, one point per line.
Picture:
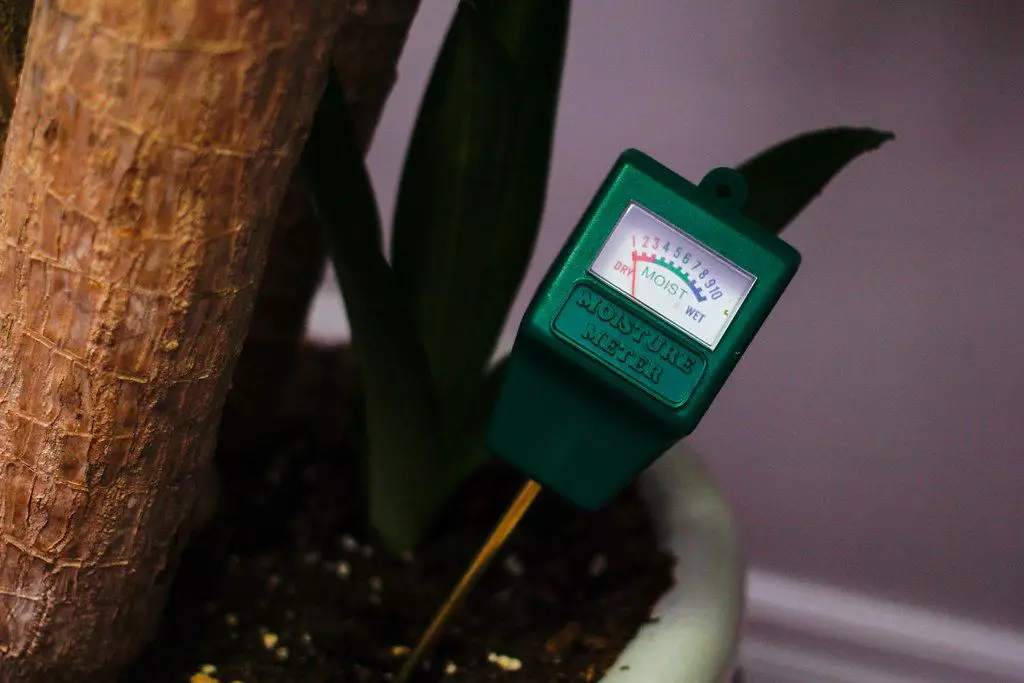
635	328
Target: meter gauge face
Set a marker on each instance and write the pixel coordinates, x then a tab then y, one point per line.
672	275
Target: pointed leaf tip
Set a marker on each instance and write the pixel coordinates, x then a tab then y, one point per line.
785	178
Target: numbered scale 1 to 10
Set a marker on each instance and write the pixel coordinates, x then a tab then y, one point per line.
674	267
682	281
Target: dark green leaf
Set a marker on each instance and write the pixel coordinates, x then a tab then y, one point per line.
402	433
475	430
535	33
785	178
472	189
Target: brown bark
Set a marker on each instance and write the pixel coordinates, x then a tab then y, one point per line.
144	165
366	54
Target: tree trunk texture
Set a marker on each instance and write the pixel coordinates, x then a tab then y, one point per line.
366	53
146	160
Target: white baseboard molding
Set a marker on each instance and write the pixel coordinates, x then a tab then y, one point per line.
799	632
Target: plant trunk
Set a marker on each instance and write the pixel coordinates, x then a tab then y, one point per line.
145	163
366	53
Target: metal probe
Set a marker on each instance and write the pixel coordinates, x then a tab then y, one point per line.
501	532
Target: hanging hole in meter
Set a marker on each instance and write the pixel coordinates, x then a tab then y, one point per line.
671	274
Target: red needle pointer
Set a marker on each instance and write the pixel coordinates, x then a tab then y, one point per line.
633	289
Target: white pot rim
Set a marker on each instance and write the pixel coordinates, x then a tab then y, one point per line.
698	620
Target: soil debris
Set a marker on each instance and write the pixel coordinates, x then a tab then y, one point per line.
269	640
513	565
562	638
505	662
598	565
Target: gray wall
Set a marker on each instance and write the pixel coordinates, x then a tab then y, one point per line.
872	436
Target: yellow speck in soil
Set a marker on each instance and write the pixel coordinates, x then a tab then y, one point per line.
202	678
269	640
171	345
343	569
282	653
505	662
399	650
208	669
450	668
590	673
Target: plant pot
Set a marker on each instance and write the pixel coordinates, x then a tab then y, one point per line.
291	586
699	619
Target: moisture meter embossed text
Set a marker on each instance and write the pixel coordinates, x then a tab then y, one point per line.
644	355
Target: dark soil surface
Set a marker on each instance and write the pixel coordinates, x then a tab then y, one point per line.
290	586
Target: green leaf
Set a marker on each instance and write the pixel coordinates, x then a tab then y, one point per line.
475	430
535	33
472	189
784	179
403	440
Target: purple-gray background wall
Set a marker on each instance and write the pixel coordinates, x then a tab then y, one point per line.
873	436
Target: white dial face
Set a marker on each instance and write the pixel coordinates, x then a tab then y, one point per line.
671	274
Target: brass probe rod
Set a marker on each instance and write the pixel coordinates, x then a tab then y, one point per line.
501	532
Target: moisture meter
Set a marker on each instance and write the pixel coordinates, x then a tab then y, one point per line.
635	328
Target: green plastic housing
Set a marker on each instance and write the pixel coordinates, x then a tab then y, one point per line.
577	417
